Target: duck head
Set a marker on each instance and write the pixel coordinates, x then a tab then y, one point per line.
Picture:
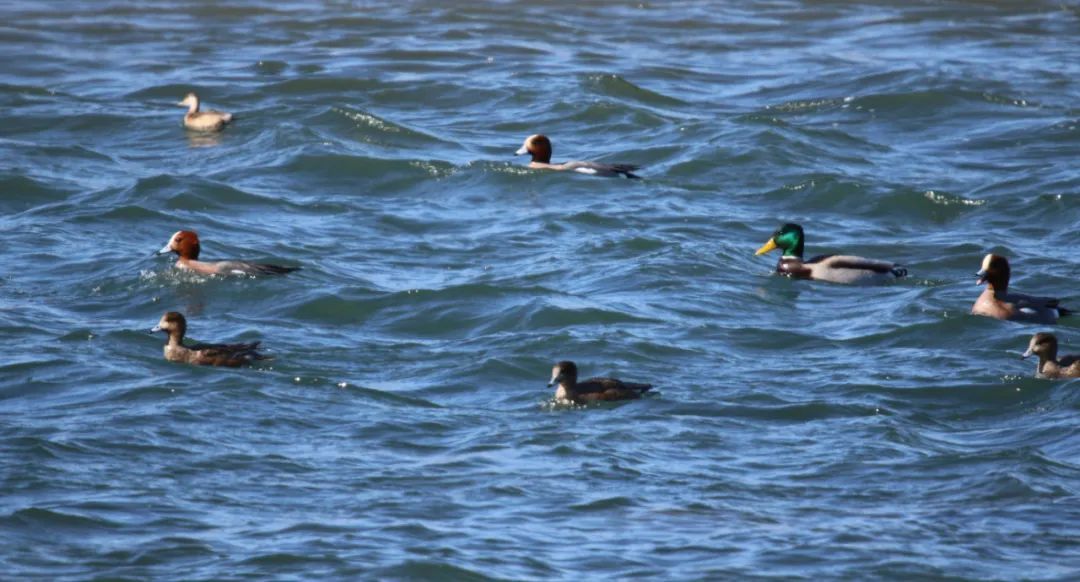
172	323
787	238
537	145
191	101
1042	344
564	373
995	272
184	243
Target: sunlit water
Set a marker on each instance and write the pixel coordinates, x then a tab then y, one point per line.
404	429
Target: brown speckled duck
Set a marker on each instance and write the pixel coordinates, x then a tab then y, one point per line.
232	355
185	243
203	120
832	268
1045	346
996	301
564	374
539	147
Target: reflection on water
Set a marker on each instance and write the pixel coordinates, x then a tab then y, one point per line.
203	139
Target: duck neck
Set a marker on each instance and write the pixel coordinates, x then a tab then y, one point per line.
564	391
193	106
176	337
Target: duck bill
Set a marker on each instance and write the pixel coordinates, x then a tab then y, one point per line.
155	329
555	380
981	277
165	249
1027	354
766	247
522	151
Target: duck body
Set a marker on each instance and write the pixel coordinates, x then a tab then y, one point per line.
230	355
846	269
185	243
539	147
1045	346
996	301
203	120
564	374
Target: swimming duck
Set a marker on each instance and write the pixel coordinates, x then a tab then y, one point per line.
232	355
996	301
186	244
203	120
539	146
570	390
1045	346
833	268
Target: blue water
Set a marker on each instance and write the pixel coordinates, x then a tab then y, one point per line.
403	429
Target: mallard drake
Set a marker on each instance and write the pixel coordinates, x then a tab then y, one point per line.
203	120
539	146
1045	345
232	355
185	243
833	268
564	374
996	301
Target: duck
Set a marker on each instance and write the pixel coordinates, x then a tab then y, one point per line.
539	147
185	243
231	355
789	239
564	374
1045	345
996	301
203	120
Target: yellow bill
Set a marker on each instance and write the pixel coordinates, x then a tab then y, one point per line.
766	247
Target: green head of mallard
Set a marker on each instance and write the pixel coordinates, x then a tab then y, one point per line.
787	238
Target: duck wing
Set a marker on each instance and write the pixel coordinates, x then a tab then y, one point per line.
601	169
207	120
864	264
609	389
1047	309
237	347
246	268
231	355
852	269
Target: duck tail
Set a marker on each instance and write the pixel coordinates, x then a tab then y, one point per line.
899	271
1062	312
627	170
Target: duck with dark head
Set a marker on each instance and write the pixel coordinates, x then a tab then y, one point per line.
565	374
789	239
996	301
539	147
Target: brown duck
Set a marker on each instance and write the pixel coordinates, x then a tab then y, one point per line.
203	120
564	374
232	355
1045	346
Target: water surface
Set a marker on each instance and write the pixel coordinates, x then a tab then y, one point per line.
403	430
